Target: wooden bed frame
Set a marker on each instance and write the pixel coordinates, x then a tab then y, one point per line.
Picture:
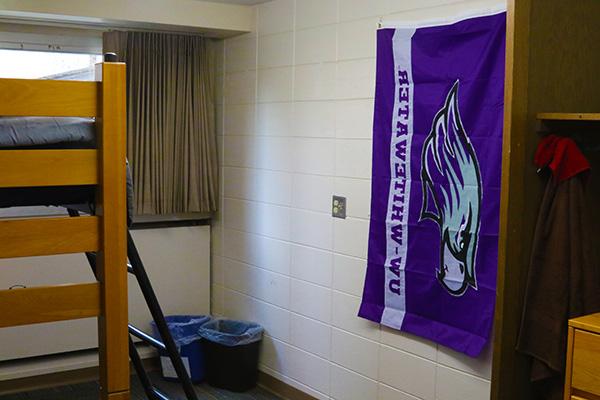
104	233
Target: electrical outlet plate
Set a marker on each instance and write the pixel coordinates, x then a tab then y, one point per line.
338	207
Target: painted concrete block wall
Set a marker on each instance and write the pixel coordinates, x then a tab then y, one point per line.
295	128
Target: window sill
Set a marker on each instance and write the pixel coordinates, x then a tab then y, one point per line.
170	220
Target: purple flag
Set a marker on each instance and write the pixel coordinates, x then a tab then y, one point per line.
435	198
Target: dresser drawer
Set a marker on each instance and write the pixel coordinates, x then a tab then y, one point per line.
586	362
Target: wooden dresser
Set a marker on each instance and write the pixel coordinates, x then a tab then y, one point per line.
582	379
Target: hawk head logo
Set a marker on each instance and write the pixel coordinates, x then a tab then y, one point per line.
452	194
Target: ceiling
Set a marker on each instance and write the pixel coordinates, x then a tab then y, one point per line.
242	2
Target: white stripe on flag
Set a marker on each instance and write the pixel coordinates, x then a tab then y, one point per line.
399	197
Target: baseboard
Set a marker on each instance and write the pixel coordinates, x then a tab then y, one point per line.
49	380
87	374
281	388
61	378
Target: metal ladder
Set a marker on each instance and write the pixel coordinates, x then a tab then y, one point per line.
136	267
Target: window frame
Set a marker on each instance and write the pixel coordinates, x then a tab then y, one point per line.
50	38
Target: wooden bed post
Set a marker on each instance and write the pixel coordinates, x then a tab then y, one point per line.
112	261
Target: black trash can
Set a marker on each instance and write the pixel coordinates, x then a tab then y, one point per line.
231	350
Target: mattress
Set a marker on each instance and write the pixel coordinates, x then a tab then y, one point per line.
51	133
43	132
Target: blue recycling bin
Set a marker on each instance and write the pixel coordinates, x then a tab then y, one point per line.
184	329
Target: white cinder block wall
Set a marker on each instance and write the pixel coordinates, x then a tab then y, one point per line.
295	116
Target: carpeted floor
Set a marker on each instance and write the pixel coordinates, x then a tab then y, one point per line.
89	391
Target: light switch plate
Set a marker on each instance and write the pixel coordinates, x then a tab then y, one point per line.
338	207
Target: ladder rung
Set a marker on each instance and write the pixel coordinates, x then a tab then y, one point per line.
160	395
146	338
47	236
49	303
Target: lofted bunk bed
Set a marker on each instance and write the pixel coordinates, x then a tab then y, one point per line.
63	143
36	174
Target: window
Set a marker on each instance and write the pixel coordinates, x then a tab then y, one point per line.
47	65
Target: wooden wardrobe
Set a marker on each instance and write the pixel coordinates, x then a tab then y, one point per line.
552	66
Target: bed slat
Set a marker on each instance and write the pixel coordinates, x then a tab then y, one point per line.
27	168
119	396
48	98
47	236
49	303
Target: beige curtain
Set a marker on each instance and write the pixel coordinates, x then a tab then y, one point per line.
171	142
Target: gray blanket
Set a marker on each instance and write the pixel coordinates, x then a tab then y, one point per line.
45	132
